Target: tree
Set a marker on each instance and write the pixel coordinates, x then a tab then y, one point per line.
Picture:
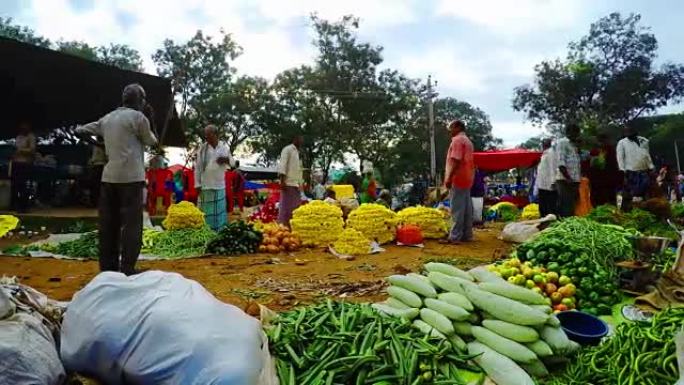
199	69
78	48
533	143
21	33
409	159
122	56
238	109
608	78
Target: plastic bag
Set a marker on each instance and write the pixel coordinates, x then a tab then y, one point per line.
160	328
409	235
519	232
28	355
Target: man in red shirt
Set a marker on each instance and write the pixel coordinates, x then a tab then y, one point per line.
459	176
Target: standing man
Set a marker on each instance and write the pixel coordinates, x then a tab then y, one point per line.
210	170
634	159
290	174
459	175
545	183
126	132
603	172
568	175
22	167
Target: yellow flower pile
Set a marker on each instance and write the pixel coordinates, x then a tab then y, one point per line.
352	242
183	215
7	224
530	211
374	221
432	222
343	191
317	223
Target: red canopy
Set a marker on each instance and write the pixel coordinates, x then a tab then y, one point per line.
502	160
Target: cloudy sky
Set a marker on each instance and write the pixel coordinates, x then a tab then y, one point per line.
477	50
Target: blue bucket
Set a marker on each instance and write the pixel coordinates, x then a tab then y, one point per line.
583	328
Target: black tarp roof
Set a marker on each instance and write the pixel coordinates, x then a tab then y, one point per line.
52	89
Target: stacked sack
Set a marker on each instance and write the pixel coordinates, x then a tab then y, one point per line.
432	222
317	223
352	242
183	215
374	221
508	326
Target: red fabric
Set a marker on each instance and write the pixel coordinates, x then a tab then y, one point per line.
461	149
502	160
156	188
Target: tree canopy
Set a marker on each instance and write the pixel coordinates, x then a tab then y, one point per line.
607	78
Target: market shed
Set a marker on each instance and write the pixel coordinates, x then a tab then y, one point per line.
52	90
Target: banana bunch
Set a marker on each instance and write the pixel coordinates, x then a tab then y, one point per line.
352	242
374	221
432	222
148	239
317	223
530	211
183	215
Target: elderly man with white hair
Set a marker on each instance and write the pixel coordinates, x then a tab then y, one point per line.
213	159
126	132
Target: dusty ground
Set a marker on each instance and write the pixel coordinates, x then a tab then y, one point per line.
279	281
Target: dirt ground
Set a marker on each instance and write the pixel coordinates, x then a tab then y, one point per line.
277	281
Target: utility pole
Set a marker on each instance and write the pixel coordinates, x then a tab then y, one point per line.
679	165
431	128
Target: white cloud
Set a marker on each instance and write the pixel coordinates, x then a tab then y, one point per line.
448	66
514	132
513	16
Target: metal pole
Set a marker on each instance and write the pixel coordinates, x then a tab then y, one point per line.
679	165
431	126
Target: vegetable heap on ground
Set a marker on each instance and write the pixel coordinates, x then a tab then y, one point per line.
586	252
504	211
508	325
432	222
530	212
636	220
266	214
176	243
374	221
277	238
183	215
637	353
85	246
344	343
558	290
317	223
236	238
352	242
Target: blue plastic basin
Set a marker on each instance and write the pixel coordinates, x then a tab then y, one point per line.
583	328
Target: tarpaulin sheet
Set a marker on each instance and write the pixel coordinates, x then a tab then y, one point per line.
502	160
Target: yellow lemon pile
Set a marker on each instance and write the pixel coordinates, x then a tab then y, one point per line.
317	223
374	221
530	211
352	242
432	222
183	215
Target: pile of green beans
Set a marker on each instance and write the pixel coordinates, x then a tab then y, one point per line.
344	343
181	243
638	353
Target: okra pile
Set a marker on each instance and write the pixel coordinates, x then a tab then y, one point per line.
345	343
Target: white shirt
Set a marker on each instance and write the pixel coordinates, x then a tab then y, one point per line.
546	171
209	174
567	156
290	166
126	132
632	156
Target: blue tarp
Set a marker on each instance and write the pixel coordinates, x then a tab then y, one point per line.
253	186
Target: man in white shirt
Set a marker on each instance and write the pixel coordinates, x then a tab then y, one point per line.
634	160
545	183
290	174
211	164
126	132
568	171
